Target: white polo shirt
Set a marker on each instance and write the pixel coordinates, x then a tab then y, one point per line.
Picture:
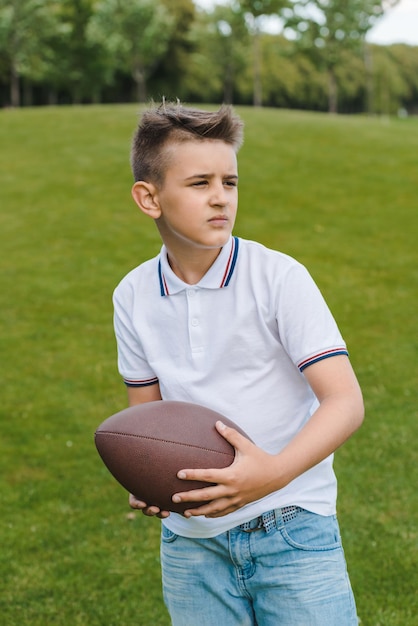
237	342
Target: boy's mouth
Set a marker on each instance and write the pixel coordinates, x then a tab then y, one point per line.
219	220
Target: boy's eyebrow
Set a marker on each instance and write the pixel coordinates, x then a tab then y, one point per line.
228	176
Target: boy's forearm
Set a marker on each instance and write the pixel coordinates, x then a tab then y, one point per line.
336	419
339	415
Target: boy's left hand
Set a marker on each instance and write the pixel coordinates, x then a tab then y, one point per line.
252	475
255	473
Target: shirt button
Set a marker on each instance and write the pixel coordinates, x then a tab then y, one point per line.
195	322
191	293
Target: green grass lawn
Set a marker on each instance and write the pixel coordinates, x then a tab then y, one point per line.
338	193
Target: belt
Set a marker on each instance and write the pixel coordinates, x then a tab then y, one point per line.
267	521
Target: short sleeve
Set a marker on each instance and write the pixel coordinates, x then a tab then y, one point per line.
307	328
132	364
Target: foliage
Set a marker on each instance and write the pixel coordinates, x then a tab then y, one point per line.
338	193
255	10
135	34
400	84
173	65
290	80
220	43
74	61
90	51
24	24
328	28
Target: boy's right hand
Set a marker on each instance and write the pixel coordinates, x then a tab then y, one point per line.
151	511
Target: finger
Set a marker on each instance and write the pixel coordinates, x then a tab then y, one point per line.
202	475
134	503
154	511
217	508
150	511
204	494
233	437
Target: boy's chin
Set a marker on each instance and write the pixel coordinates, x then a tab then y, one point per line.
219	240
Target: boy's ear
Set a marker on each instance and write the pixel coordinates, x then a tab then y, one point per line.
145	196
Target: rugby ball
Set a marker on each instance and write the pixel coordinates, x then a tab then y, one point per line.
144	446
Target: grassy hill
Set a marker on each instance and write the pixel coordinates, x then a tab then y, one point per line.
339	194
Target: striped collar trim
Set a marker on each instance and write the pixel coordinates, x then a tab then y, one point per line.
217	277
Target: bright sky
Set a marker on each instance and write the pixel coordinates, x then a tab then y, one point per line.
399	25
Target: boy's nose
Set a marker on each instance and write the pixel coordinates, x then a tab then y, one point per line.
219	196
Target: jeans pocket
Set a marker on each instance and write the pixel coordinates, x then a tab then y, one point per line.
309	531
167	536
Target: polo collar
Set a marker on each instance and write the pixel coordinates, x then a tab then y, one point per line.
217	276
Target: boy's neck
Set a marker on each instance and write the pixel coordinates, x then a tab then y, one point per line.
191	268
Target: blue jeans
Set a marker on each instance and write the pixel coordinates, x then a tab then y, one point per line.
290	571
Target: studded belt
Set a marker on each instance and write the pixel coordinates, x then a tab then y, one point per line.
267	521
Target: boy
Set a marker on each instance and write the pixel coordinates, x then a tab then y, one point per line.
242	329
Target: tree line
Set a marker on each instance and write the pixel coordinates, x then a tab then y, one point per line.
102	51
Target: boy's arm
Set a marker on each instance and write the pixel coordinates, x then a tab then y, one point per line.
339	415
139	395
255	473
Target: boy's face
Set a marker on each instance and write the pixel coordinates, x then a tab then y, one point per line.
199	197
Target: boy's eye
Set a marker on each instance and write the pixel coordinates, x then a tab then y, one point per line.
204	183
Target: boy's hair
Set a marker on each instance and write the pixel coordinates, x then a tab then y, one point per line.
173	123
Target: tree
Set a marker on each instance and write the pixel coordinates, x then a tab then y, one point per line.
255	10
73	62
290	79
405	59
327	28
172	66
227	38
395	82
135	34
219	41
24	25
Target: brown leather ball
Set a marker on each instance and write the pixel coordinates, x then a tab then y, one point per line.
144	446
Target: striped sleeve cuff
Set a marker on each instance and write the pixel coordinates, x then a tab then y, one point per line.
320	356
145	382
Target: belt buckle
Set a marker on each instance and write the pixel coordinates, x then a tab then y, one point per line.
267	521
247	528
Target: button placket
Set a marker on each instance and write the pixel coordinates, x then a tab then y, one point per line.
195	328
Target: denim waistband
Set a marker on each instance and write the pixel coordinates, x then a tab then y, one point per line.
268	521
